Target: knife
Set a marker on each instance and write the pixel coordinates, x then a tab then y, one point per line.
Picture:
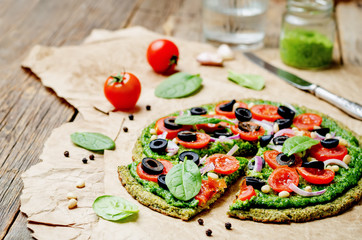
351	108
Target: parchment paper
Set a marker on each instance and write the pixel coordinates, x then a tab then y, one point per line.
77	73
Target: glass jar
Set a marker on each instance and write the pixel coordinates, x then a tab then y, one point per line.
308	32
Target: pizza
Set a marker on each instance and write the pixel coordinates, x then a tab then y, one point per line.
296	164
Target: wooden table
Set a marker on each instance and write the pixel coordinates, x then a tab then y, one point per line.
29	111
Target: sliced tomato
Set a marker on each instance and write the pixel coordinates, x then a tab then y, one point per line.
230	114
209	127
282	177
315	175
246	193
171	133
322	154
271	155
202	139
167	165
208	189
249	136
224	164
307	121
265	112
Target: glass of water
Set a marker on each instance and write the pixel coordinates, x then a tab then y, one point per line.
239	23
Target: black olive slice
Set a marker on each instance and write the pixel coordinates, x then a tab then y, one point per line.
228	107
243	114
161	180
286	112
152	166
313	164
222	132
284	123
158	145
190	155
283	159
257	183
280	140
251	163
321	131
265	140
330	142
247	127
198	111
170	124
187	136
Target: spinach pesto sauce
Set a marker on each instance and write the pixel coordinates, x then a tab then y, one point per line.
343	181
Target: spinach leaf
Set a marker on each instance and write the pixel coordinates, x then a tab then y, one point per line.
92	141
193	120
178	85
184	180
113	208
298	144
255	82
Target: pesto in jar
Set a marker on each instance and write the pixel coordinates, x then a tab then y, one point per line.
306	49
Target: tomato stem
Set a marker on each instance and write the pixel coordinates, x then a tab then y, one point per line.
118	79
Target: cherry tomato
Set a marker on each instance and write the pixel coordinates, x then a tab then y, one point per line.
142	174
171	133
307	121
208	189
224	164
321	153
265	112
202	139
122	91
315	175
209	127
246	193
230	114
162	55
249	136
282	177
271	155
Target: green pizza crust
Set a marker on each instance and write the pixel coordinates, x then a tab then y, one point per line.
307	210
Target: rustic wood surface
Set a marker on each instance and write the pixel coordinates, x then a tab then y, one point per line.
29	111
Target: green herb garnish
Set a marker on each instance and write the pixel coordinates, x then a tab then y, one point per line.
298	144
184	180
92	141
193	120
252	81
178	85
113	208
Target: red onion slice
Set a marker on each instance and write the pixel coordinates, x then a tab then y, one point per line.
233	150
275	147
163	135
207	168
171	148
288	131
202	160
258	164
301	192
290	106
268	126
335	161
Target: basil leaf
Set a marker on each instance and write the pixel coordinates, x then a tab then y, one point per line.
193	120
113	208
184	180
92	141
252	81
298	144
178	85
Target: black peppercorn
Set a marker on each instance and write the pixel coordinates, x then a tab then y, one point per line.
200	221
208	232
91	157
84	160
228	226
131	117
148	107
125	129
66	154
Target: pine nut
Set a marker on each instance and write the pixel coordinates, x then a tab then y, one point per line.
71	195
72	203
347	159
80	184
212	175
308	188
265	189
284	194
153	131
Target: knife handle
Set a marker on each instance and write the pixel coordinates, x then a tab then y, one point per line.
351	108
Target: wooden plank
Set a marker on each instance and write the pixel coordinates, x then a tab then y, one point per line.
17	230
28	111
349	19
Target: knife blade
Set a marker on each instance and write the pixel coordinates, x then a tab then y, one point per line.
351	108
